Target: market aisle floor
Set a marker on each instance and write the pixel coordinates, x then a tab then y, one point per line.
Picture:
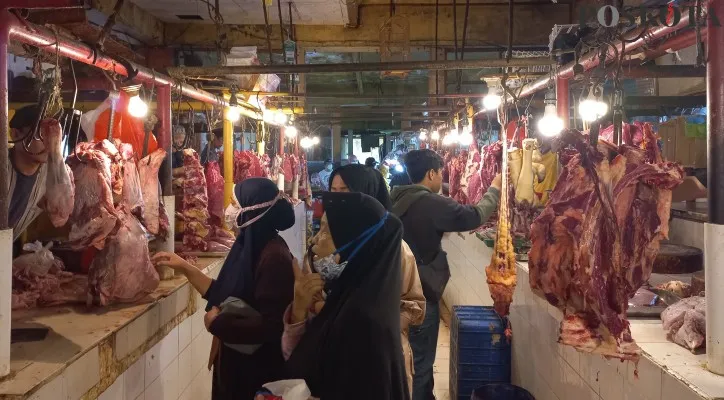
441	368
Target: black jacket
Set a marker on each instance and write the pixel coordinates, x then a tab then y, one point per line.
426	216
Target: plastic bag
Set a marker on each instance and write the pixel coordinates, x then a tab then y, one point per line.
38	260
293	389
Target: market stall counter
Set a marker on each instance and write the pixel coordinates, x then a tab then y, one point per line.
157	346
551	371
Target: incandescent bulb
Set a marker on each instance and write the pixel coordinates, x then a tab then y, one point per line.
290	132
306	142
423	134
435	135
315	140
280	118
491	101
592	109
137	107
232	114
466	139
550	124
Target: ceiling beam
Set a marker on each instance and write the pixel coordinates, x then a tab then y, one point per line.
442	65
147	27
484	32
665	101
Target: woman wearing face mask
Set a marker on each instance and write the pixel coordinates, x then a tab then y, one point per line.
247	301
351	349
359	178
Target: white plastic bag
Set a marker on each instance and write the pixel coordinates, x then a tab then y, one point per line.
38	260
293	389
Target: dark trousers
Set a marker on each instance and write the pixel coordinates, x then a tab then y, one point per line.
423	340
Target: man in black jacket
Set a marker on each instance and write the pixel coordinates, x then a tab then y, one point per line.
426	216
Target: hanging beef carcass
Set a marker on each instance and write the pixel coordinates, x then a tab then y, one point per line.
132	187
95	174
195	204
594	244
154	211
457	169
471	174
59	186
122	272
215	192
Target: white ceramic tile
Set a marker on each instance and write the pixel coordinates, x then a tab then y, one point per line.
574	386
82	374
121	343
143	327
53	390
197	321
161	355
165	387
648	333
168	307
184	334
115	391
185	368
184	293
646	380
142	396
610	381
674	389
134	379
670	354
704	381
200	349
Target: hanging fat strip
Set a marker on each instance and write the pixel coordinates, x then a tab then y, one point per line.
502	269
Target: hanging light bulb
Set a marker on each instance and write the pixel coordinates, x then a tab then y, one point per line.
550	124
492	101
466	139
232	114
137	107
435	135
306	142
290	132
454	135
423	134
315	140
280	118
592	108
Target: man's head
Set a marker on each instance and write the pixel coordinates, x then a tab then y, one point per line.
424	167
179	136
328	165
217	139
370	162
353	159
22	123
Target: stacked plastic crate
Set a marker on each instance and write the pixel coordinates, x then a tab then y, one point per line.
479	350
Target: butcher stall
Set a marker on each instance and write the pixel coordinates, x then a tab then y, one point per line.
84	313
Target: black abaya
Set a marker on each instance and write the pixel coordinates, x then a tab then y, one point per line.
352	349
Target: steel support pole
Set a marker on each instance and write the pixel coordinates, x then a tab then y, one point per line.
228	136
358	67
6	233
563	104
165	173
714	229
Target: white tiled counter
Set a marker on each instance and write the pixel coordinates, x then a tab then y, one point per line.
157	350
554	372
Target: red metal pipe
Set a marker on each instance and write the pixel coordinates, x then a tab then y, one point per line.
163	136
563	100
674	43
281	141
591	59
42	3
45	40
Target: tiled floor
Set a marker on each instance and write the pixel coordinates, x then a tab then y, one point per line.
442	361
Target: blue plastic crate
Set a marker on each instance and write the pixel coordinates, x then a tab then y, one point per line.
479	351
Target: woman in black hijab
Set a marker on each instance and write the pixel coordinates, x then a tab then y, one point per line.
369	181
360	178
247	300
351	350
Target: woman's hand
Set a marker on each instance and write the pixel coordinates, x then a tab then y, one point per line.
170	260
308	288
211	316
497	182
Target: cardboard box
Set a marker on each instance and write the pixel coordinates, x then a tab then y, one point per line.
689	152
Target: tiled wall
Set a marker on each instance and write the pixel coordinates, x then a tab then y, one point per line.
174	368
540	365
